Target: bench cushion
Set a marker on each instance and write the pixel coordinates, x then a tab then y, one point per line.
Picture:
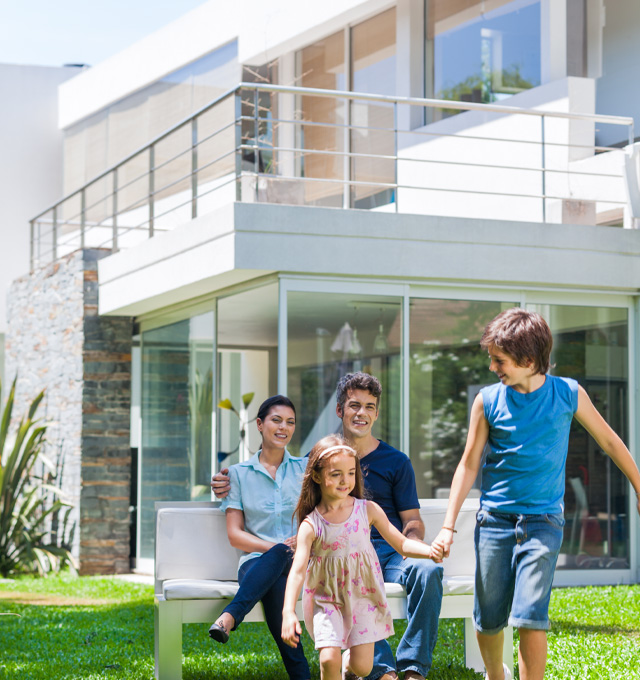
204	589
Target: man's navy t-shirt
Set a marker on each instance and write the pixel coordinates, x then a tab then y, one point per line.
391	483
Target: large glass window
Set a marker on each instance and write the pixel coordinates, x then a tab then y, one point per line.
447	368
373	67
247	364
177	406
591	346
322	66
482	51
333	334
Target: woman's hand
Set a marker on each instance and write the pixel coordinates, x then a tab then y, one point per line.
292	542
291	629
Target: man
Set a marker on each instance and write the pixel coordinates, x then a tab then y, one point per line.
390	480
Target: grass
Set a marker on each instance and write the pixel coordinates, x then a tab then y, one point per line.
89	628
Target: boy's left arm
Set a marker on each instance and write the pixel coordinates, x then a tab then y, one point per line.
589	417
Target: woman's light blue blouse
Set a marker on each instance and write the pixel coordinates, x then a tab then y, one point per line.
267	503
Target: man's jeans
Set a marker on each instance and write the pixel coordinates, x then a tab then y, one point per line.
264	579
422	580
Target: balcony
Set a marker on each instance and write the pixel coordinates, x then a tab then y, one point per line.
261	143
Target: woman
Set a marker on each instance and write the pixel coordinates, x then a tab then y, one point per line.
259	511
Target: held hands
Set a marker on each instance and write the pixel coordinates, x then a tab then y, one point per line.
291	629
220	483
443	541
437	552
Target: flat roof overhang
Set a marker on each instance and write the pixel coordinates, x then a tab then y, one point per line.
244	241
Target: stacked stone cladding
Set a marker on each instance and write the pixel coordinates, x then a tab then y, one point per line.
56	341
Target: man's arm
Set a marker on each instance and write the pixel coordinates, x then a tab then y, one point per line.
412	524
220	484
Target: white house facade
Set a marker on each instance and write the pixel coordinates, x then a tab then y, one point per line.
262	206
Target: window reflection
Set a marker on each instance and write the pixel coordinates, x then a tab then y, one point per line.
483	51
333	334
447	369
176	409
591	346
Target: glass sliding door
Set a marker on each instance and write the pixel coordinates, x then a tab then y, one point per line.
333	334
247	365
373	67
323	119
447	368
176	414
591	346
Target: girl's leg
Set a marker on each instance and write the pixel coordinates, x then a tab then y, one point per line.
330	663
532	654
360	660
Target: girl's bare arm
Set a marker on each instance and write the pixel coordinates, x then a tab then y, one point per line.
409	547
291	629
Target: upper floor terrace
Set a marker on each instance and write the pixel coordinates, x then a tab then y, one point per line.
263	143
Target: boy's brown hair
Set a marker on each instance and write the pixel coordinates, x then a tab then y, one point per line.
310	493
523	335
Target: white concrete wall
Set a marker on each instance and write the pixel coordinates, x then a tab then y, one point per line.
30	161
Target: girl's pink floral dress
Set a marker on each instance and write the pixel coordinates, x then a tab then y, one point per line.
343	600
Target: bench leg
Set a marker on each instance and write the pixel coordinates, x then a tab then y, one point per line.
168	640
472	656
507	654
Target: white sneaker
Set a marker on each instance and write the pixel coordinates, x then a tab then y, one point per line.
507	672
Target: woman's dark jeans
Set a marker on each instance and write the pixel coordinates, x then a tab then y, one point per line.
264	579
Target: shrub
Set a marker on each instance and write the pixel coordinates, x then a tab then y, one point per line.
34	517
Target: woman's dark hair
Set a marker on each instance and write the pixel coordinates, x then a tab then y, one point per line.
271	402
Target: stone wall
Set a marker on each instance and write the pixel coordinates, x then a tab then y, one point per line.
57	342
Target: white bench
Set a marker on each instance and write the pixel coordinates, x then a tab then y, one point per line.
196	572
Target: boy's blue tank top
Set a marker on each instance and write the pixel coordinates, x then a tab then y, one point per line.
528	439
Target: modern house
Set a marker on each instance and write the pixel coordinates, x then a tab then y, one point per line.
262	199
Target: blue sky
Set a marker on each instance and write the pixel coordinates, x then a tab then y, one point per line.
56	32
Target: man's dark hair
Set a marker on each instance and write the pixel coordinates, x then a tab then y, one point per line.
358	381
523	335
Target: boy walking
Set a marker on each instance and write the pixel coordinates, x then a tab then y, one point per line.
525	418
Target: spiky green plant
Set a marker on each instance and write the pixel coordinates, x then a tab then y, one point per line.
29	505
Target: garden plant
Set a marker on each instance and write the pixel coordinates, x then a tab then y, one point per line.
34	532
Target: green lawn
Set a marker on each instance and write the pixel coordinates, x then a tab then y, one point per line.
89	628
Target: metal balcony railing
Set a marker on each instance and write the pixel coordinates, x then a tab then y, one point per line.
303	146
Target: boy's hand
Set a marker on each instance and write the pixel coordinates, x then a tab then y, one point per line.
291	629
220	484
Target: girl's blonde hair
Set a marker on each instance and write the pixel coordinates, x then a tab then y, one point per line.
320	455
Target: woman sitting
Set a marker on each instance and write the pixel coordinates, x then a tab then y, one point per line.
259	511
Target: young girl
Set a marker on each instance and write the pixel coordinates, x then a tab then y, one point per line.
344	601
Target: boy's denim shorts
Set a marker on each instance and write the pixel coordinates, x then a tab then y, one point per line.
515	561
